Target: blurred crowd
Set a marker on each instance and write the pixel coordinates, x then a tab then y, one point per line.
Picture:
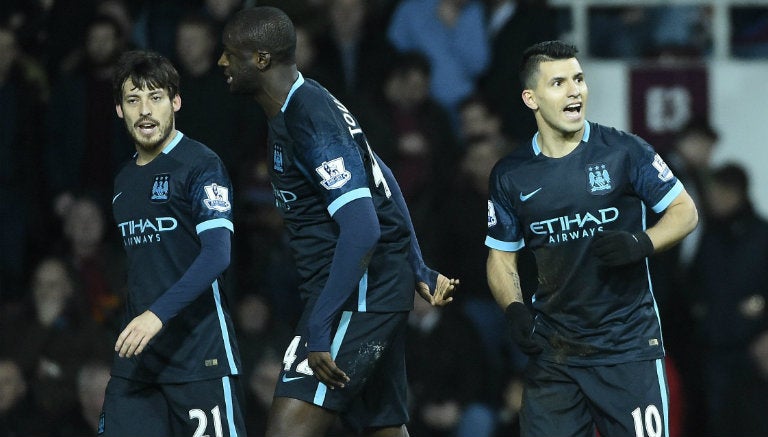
434	85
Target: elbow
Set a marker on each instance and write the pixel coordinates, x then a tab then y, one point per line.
693	219
372	237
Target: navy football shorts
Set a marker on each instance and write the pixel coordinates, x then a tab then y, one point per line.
209	407
370	349
629	399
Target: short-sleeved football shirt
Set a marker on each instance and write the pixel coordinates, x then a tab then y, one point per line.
587	312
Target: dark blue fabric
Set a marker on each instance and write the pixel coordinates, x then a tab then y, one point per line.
422	272
210	263
358	233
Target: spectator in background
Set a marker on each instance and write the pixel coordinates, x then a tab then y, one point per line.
690	159
22	93
415	136
750	32
17	417
260	389
233	129
479	120
452	35
97	263
84	141
461	221
91	382
650	31
443	346
513	26
352	50
728	291
509	414
58	336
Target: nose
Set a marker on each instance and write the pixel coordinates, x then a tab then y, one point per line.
222	61
574	88
145	108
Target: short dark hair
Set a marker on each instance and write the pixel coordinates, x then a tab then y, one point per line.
543	52
147	70
263	28
699	125
731	175
405	62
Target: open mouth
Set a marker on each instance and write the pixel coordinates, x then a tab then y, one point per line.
146	127
573	110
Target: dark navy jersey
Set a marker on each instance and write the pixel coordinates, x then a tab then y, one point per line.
320	160
589	313
160	208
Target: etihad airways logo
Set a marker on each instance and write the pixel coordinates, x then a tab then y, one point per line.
146	230
572	227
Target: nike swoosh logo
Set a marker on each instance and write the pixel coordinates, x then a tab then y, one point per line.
286	379
116	196
524	197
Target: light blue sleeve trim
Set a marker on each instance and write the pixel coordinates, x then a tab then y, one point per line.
341	331
666	200
504	245
174	142
345	198
294	87
215	223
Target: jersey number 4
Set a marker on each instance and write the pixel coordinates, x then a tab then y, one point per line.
378	175
290	357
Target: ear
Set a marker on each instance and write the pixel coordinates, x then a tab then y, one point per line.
119	111
262	59
176	102
529	99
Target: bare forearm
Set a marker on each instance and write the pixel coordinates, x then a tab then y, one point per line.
678	220
503	278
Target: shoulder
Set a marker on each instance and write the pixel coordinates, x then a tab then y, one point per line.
613	137
194	153
515	159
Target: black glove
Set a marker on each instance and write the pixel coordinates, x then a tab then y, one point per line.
521	324
616	248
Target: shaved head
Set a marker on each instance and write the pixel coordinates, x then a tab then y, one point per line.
263	28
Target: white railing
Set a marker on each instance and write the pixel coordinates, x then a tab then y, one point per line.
721	23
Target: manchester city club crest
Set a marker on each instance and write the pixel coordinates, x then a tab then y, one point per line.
598	179
333	173
160	188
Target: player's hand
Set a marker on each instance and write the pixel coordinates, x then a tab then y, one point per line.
520	323
617	248
442	295
326	371
137	334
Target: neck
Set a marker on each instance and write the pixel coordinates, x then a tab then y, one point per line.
276	89
556	144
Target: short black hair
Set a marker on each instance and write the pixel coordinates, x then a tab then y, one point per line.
731	175
147	70
544	51
263	28
699	125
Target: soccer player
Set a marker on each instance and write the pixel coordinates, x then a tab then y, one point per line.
176	364
351	236
577	196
